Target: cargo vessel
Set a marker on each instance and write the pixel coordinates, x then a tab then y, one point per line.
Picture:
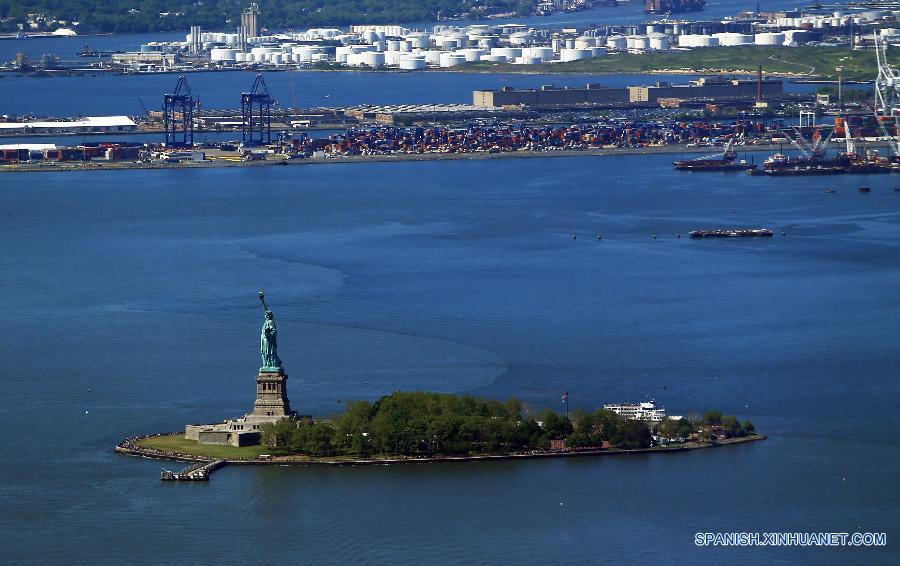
673	6
735	233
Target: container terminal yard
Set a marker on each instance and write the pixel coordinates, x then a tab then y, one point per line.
500	123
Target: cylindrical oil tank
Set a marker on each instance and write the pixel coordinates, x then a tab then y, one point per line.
452	59
574	54
598	51
372	59
528	60
221	54
509	52
585	42
769	39
659	42
638	42
274	58
432	57
412	63
544	53
617	42
494	58
471	54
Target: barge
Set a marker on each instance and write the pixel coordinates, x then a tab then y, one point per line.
734	233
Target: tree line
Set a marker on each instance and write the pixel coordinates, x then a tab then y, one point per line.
429	424
132	16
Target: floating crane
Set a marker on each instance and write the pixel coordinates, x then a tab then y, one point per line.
887	95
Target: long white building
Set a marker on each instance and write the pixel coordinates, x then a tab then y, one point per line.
647	411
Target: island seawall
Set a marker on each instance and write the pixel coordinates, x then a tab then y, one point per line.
130	448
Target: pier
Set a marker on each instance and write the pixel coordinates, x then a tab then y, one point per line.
199	471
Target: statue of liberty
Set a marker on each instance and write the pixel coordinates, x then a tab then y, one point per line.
268	339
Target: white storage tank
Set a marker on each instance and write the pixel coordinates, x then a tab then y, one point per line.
220	54
471	54
574	54
585	43
598	51
494	59
487	42
432	57
417	41
544	53
769	39
659	42
412	63
638	42
734	39
528	60
451	59
259	57
372	59
509	52
617	42
274	58
520	38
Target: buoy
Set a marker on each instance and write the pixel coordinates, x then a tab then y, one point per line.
654	236
574	237
599	237
678	235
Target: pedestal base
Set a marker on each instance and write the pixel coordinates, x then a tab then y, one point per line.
271	396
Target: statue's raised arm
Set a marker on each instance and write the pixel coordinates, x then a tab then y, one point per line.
268	339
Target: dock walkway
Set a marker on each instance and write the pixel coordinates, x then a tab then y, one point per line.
195	472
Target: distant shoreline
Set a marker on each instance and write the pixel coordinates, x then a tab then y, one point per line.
126	448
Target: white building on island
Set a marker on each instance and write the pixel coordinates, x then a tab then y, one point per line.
647	411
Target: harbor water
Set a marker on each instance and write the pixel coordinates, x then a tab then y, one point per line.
129	307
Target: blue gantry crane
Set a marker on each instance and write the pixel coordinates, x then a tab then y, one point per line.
178	115
256	112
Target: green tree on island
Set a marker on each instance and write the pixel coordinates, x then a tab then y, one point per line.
430	424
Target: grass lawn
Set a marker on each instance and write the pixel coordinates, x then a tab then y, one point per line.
814	62
178	443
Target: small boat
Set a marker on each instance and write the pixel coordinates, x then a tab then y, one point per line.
865	190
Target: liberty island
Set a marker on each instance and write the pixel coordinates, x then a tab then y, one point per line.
453	428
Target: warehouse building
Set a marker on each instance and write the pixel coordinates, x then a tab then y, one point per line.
86	125
594	94
549	96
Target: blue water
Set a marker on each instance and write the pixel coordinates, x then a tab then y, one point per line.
98	96
129	307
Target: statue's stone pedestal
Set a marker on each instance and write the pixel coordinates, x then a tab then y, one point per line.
271	406
271	396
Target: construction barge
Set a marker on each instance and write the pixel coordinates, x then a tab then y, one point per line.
735	233
727	162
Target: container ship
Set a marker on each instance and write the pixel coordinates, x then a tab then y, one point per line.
673	6
736	233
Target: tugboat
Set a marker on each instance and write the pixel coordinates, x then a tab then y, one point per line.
735	233
728	162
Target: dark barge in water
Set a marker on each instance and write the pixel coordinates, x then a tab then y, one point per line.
728	162
735	233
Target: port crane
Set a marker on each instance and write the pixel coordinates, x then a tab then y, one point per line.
887	95
814	150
